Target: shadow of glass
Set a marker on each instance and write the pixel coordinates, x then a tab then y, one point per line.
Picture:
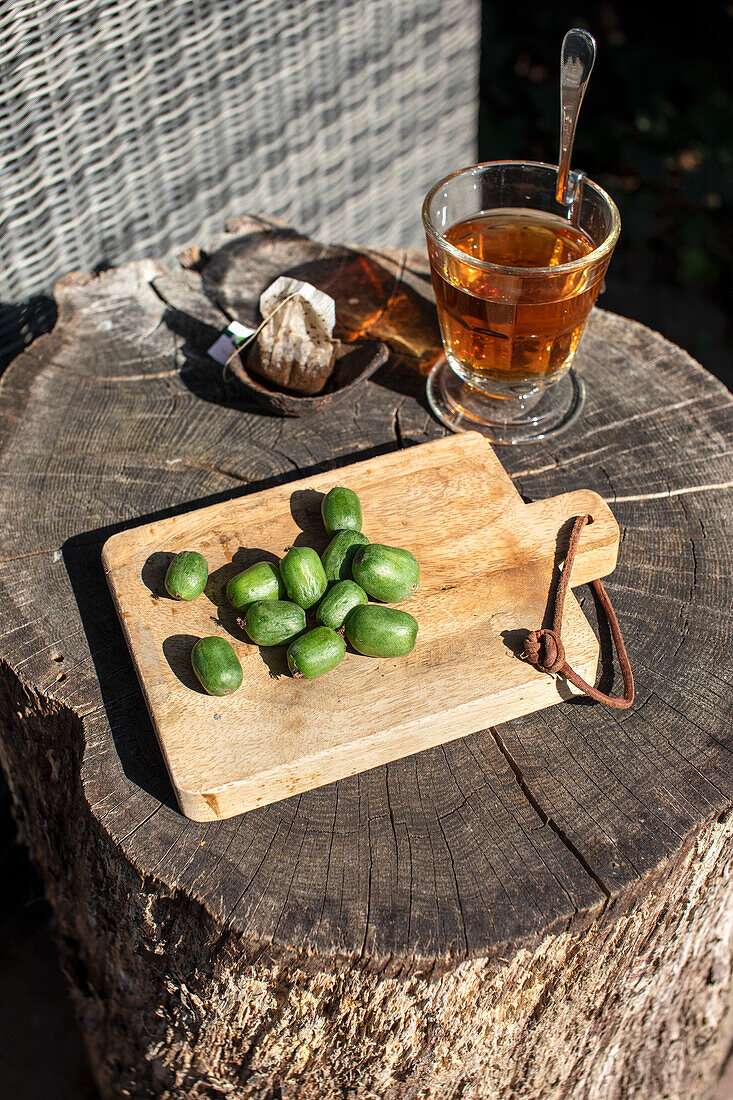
400	378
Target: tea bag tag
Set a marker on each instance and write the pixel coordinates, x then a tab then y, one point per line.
233	336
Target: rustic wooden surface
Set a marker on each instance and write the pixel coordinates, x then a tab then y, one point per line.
541	909
487	564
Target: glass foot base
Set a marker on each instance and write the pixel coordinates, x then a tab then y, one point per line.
504	420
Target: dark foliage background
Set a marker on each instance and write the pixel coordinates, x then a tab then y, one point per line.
655	131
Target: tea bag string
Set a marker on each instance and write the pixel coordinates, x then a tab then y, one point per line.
248	339
544	648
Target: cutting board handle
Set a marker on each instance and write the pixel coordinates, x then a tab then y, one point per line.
597	551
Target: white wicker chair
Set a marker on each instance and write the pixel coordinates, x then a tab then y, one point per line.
132	127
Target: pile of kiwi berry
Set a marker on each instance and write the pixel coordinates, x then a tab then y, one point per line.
272	601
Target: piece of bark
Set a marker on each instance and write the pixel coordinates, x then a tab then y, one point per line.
539	910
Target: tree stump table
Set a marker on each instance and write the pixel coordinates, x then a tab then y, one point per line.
538	910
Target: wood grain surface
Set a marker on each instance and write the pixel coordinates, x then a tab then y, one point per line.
540	909
487	564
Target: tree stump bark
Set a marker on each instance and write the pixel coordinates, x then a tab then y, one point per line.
539	910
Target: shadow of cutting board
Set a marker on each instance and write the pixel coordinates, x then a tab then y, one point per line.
486	561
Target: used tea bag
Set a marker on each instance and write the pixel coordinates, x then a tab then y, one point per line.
296	346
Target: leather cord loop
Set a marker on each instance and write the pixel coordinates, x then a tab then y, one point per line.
544	648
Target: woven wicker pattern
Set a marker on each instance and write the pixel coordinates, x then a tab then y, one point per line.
132	127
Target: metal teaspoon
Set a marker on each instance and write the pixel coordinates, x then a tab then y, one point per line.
576	62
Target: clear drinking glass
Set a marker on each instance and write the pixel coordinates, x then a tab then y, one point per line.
515	274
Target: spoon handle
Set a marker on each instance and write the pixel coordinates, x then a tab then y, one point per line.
576	62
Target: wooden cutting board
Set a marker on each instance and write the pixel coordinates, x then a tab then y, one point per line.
486	562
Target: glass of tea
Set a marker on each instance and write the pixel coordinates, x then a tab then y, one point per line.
515	275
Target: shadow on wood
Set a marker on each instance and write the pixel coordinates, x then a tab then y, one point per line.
134	737
177	650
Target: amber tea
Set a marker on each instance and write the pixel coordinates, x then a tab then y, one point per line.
516	272
513	330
